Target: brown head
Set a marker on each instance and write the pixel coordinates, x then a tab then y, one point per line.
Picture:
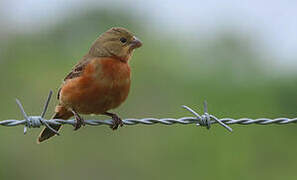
116	42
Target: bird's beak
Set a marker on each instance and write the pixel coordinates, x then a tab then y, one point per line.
135	43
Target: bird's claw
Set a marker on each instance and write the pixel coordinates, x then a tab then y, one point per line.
79	121
117	121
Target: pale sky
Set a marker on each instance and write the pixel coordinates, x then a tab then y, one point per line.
273	23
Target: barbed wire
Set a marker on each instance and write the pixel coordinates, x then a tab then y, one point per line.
204	120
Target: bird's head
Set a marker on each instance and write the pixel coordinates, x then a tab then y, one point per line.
116	42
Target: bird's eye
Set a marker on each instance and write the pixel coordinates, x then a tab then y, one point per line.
123	40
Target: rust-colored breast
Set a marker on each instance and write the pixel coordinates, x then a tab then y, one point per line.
104	85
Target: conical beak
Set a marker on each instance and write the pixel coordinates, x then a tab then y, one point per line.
135	43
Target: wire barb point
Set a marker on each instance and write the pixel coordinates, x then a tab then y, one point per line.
36	121
44	111
205	119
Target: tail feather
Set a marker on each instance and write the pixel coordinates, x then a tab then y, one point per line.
61	113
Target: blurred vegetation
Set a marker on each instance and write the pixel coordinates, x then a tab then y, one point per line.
167	73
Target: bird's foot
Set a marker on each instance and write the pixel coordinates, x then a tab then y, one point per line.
116	121
79	120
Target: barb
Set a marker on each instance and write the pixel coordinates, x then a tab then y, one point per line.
204	120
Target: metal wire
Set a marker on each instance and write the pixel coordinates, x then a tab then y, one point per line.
200	120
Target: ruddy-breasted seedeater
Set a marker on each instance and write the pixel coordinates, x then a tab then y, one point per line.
99	82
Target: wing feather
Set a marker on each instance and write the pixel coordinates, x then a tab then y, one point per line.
77	70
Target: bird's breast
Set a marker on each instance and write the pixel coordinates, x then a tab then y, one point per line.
104	85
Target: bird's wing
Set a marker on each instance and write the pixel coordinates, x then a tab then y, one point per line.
77	70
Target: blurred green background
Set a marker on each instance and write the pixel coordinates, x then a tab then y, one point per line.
170	70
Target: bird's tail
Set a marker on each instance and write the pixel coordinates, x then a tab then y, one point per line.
60	113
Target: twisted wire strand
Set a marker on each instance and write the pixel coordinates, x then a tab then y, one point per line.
152	121
200	120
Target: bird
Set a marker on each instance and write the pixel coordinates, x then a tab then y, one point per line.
99	82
